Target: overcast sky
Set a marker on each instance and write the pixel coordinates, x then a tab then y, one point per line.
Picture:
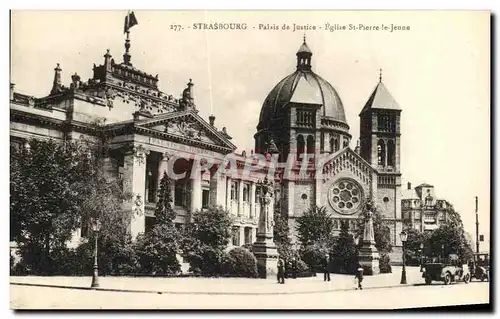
438	72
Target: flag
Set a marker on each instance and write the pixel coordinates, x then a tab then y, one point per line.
130	21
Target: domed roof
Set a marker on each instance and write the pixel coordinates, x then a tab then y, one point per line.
303	87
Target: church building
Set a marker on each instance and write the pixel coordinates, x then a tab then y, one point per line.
302	116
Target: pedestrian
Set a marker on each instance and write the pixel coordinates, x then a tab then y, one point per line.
359	277
281	271
326	268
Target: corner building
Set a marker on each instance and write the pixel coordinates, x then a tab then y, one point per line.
303	114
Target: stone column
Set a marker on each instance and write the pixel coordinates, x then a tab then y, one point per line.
264	248
240	198
195	193
228	193
242	236
252	201
217	195
134	182
368	253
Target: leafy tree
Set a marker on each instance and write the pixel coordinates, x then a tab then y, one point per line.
240	263
43	204
281	237
157	250
164	213
315	226
344	251
452	238
207	236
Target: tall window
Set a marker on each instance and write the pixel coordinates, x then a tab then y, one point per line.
246	192
234	190
181	192
300	145
236	236
391	154
346	143
205	196
248	235
381	153
310	145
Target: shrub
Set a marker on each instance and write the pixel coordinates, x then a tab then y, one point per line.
157	250
384	263
313	256
240	263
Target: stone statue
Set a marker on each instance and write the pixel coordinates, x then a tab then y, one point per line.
137	206
187	100
267	192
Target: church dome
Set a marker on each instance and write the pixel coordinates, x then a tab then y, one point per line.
303	87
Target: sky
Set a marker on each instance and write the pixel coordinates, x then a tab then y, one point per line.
438	72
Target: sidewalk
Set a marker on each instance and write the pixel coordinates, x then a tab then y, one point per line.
230	286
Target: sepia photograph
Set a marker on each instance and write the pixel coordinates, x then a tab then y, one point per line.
249	160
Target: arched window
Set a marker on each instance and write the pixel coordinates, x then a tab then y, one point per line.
381	152
335	145
391	154
345	144
310	144
300	145
332	145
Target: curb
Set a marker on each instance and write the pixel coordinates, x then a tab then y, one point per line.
208	293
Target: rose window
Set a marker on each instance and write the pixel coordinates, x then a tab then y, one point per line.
345	196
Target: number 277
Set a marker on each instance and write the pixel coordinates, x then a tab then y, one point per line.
175	27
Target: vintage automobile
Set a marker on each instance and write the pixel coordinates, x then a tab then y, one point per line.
446	270
480	267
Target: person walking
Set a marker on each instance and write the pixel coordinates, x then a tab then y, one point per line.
359	277
326	268
281	271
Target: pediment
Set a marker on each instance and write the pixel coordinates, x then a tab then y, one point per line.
347	159
187	125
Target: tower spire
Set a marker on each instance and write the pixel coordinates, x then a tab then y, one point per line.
304	56
380	76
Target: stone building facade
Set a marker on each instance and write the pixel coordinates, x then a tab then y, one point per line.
302	115
422	210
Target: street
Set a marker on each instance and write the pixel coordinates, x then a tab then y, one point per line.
33	297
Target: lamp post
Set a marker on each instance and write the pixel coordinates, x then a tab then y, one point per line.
421	256
442	251
96	226
403	236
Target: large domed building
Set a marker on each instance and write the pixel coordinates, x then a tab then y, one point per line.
304	115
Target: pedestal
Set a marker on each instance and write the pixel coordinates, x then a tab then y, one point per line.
369	259
266	253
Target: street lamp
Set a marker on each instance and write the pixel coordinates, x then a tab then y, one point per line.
96	227
403	236
442	251
421	256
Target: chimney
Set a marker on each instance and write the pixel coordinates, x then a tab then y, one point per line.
12	85
211	119
409	185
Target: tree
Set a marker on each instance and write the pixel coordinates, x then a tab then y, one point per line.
315	226
164	213
344	251
315	233
43	204
207	237
452	238
157	250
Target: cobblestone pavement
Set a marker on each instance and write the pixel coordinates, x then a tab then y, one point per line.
34	297
229	285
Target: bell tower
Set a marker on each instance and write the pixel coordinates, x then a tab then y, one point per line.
380	145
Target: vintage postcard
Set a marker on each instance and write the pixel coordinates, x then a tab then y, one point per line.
249	159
